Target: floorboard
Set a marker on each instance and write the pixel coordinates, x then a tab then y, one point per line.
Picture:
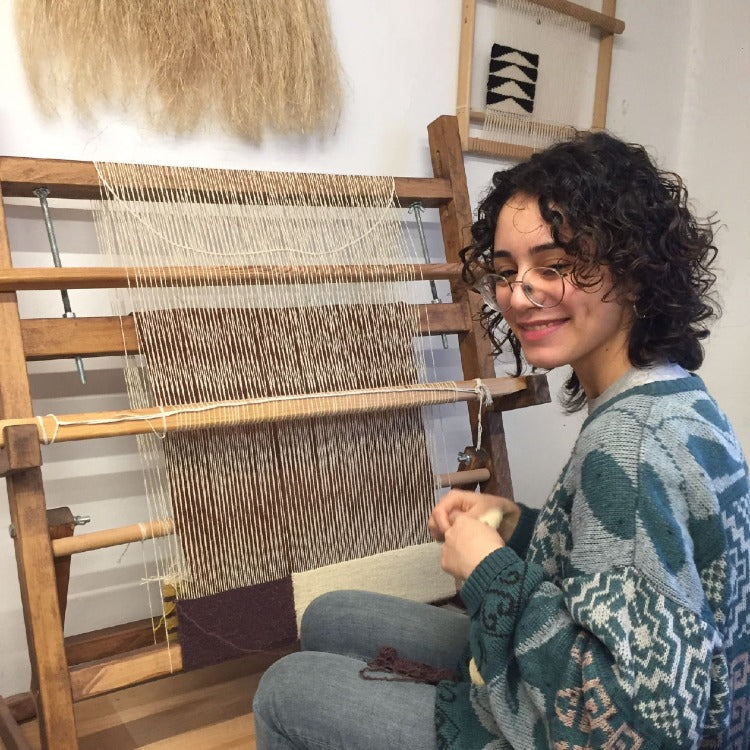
209	709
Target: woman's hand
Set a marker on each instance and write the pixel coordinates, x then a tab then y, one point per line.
467	542
476	505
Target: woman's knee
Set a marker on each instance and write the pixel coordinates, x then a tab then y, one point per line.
274	689
318	619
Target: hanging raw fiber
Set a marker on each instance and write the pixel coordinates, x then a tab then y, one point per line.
250	65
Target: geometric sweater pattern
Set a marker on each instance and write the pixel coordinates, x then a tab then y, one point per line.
623	620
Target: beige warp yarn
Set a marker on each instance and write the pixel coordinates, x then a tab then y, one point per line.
251	65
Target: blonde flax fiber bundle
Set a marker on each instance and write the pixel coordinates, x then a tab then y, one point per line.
252	65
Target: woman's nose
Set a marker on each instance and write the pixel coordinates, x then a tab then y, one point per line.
518	295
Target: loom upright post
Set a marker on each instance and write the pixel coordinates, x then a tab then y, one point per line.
28	513
477	360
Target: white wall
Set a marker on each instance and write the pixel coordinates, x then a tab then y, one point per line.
400	63
715	162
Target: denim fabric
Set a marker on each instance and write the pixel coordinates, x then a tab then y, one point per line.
317	699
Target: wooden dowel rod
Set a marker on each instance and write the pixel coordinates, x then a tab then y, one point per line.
95	277
488	147
139	532
136	532
20	176
602	21
463	478
69	427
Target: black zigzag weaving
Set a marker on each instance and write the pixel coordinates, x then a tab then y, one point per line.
511	85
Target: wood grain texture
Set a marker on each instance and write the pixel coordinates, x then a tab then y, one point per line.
20	176
209	709
103	336
28	515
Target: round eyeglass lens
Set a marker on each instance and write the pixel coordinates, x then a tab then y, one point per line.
543	287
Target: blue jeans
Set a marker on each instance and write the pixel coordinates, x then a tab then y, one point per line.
317	699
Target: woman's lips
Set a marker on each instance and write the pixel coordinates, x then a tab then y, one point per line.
538	329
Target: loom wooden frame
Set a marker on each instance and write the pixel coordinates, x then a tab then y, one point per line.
608	26
66	670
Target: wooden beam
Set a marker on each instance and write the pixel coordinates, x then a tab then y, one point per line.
10	734
477	359
465	60
603	21
603	71
108	642
184	417
60	338
20	176
121	671
500	149
18	453
100	277
61	526
28	515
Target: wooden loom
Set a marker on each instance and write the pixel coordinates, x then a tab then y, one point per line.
604	21
67	670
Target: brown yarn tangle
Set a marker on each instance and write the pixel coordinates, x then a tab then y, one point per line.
403	670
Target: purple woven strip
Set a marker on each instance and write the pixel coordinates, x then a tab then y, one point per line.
235	623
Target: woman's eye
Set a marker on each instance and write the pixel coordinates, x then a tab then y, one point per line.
562	266
507	273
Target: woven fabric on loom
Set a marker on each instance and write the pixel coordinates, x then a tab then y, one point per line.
257	506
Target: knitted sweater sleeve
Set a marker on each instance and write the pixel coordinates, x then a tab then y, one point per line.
603	658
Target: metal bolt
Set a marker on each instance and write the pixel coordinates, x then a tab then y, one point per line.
463	458
81	520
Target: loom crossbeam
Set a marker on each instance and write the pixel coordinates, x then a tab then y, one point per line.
185	417
20	176
59	338
95	277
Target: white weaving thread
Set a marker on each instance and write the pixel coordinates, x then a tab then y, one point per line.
484	397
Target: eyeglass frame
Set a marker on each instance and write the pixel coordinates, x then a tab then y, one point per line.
561	274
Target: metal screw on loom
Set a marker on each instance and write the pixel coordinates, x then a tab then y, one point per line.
416	208
42	193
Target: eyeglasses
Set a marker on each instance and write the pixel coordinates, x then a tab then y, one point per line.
543	286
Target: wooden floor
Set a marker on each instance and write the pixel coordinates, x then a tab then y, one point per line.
202	710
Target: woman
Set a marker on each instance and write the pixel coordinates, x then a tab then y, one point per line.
617	616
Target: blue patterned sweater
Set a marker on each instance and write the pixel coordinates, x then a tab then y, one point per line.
624	620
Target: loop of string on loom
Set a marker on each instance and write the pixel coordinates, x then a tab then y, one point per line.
485	401
484	396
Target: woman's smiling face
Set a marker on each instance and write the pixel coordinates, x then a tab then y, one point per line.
590	327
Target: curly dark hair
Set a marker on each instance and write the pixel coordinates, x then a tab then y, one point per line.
607	204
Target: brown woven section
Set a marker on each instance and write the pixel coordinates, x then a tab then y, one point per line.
236	623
